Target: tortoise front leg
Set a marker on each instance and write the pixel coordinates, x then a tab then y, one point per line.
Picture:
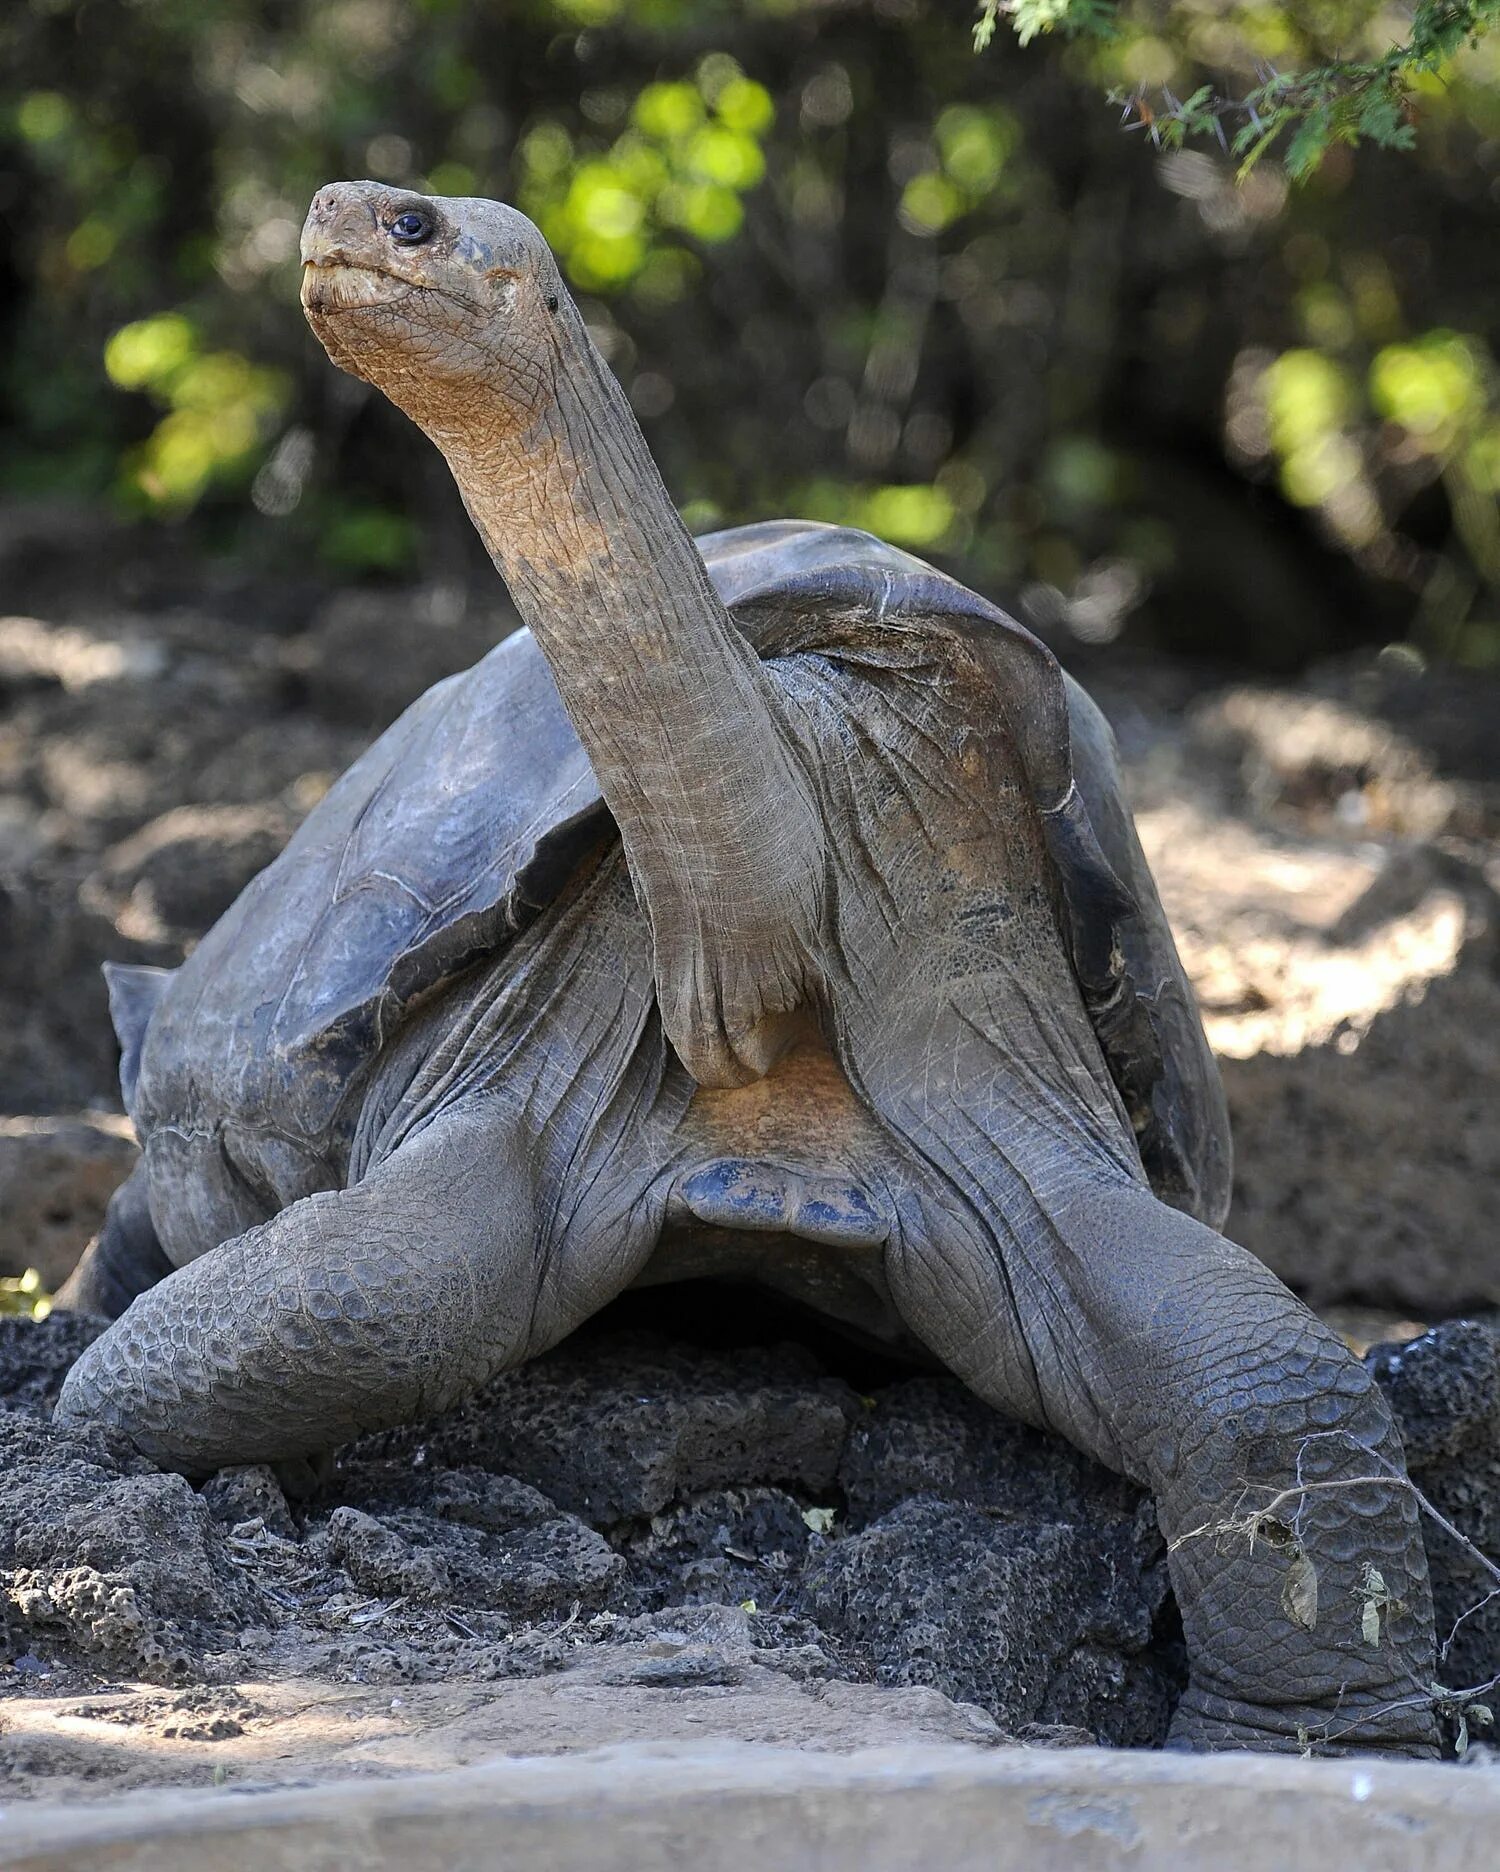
357	1309
1175	1357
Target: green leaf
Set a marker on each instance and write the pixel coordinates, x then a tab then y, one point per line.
1308	146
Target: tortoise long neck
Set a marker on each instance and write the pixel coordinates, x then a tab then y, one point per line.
692	756
577	520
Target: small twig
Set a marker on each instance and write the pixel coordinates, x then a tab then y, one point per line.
1267	1511
1489	1598
1298	1490
1434	1698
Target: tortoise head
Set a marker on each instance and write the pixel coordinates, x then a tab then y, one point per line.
450	305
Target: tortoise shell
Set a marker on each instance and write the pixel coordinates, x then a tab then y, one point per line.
483	789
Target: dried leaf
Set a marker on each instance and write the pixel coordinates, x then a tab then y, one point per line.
1369	1624
819	1520
1299	1595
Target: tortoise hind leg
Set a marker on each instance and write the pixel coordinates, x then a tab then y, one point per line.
356	1309
1175	1357
123	1260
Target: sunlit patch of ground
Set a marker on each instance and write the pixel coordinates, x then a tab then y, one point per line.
1335	903
32	650
301	1729
1361	1327
1271	933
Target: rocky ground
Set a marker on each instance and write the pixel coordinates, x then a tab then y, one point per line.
630	1517
700	1495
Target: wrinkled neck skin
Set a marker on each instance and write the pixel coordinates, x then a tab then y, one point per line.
573	511
671	703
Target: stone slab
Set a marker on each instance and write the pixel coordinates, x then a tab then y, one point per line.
731	1807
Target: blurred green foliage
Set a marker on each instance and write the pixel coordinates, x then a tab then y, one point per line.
842	266
1346	101
23	1296
690	152
219	407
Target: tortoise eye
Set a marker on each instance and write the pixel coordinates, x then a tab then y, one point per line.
411	228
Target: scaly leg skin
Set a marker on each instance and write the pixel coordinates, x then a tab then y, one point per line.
352	1310
1175	1357
122	1261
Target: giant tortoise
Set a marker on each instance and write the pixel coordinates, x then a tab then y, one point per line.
769	908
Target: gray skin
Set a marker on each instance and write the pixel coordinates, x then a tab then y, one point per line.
768	909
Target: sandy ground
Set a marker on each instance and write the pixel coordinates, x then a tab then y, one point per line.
255	1735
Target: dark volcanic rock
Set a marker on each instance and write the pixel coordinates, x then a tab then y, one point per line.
36	1356
480	1542
1001	1566
728	1546
1038	1621
103	1556
620	1428
378	1560
967	1553
249	1493
931	1436
1444	1389
915	1537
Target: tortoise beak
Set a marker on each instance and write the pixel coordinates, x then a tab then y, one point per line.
341	223
332	284
337	236
342	254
